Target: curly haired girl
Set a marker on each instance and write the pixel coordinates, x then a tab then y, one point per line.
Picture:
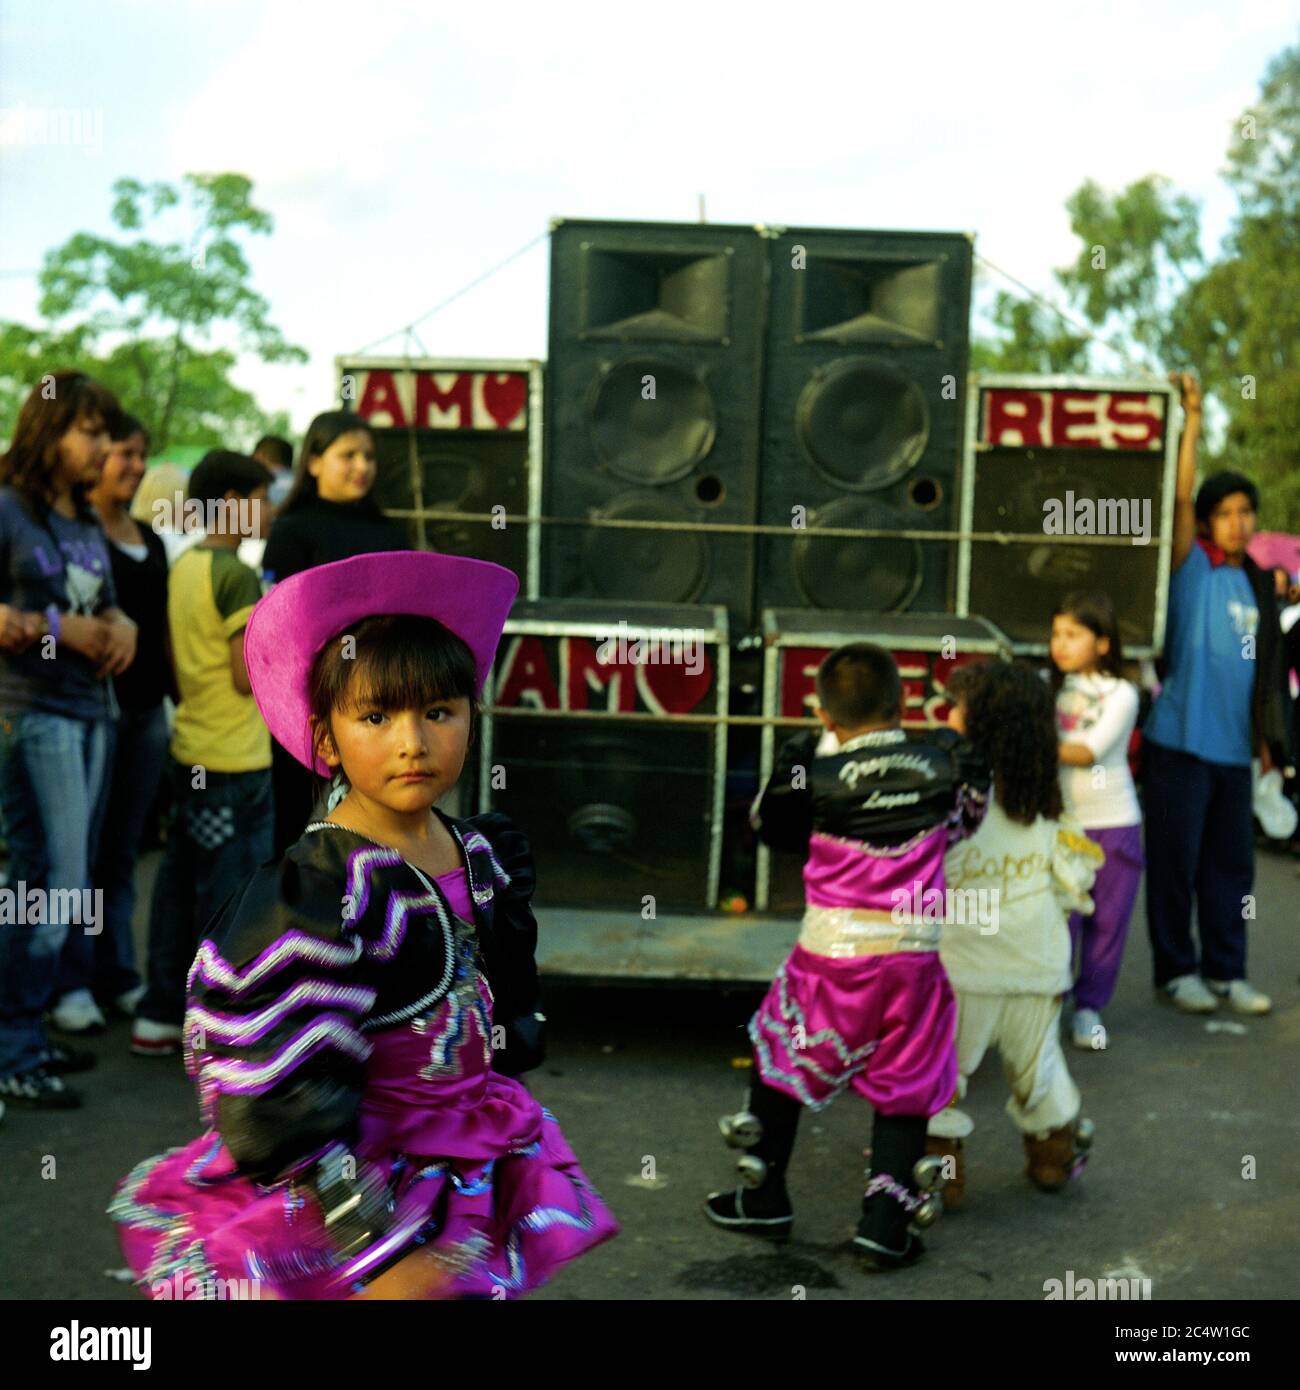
1009	961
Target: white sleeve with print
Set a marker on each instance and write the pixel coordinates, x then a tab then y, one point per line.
1099	712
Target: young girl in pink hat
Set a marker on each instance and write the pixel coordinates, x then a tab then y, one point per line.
358	1011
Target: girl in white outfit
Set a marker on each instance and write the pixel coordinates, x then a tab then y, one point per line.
1006	943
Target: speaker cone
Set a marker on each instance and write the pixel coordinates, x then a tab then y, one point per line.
651	421
877	575
862	425
665	566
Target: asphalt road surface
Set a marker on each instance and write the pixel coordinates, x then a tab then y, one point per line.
1186	1109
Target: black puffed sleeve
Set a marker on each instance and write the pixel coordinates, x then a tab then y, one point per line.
273	1026
509	946
783	814
971	780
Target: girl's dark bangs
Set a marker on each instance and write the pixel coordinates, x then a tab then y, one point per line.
406	668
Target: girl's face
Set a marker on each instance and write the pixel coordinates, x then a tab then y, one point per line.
345	472
402	760
123	470
82	450
1076	648
957	717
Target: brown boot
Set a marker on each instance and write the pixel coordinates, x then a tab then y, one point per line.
1057	1157
954	1190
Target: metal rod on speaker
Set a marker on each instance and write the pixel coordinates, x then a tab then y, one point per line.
419	511
646	717
745	529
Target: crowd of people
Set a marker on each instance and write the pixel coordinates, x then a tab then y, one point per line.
1027	797
366	1134
122	673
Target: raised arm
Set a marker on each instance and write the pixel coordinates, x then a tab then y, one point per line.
1184	511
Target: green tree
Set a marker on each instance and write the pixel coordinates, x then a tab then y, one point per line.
1033	339
1244	319
161	322
1139	252
1142	283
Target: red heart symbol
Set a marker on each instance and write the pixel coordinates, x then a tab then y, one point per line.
504	397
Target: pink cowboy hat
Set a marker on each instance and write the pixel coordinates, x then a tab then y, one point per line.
290	625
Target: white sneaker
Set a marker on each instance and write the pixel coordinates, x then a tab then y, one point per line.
78	1013
1189	994
1242	998
150	1039
128	1000
1088	1031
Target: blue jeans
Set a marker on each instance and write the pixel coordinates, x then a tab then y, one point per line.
1200	845
51	771
137	754
217	836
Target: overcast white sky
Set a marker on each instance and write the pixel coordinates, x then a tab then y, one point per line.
403	148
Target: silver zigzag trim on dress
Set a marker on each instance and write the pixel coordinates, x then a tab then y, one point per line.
252	1078
227	1028
400	907
360	862
873	851
213	969
477	840
854	1060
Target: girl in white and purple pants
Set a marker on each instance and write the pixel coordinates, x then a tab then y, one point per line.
1096	711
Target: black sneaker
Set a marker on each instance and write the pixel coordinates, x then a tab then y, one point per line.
63	1061
877	1258
38	1090
727	1209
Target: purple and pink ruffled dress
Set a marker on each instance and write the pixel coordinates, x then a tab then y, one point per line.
475	1166
863	1003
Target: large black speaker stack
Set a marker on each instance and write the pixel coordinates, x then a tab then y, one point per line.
654	381
790	378
740	389
862	409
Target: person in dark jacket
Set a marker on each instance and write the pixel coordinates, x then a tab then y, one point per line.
329	514
862	1003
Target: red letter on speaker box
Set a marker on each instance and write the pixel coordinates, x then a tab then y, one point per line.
1137	426
380	398
1067	423
504	397
799	681
581	673
460	397
525	677
1018	413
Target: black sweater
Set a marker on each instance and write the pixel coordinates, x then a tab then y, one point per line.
317	532
142	595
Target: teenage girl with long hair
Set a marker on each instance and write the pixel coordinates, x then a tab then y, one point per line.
62	639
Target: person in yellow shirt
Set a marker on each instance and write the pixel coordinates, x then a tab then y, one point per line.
222	817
